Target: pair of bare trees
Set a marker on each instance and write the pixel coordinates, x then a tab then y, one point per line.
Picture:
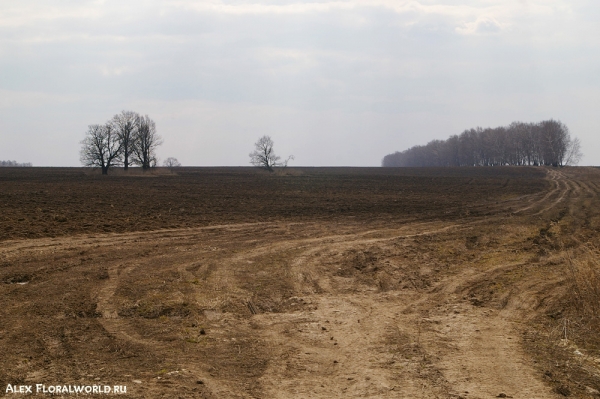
127	139
545	143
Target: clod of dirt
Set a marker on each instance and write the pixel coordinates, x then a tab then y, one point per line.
563	390
335	361
200	382
17	278
103	274
323	328
202	332
476	301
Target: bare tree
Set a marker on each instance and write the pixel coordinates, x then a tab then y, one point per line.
101	147
145	141
554	139
125	125
171	163
574	154
264	156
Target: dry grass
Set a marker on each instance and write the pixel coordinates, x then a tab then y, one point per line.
566	343
583	276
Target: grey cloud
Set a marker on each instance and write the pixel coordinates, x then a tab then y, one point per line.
330	72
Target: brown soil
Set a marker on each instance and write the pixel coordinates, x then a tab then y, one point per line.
313	283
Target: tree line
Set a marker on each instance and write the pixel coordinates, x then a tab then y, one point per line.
544	143
15	163
127	139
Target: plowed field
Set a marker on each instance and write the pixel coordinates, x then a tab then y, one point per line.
307	283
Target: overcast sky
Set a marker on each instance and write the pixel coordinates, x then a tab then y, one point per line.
332	82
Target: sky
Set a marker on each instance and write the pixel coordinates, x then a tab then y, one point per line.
334	83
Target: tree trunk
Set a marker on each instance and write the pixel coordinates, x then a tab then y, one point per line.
105	170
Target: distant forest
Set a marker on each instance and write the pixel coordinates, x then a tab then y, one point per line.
544	143
14	163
